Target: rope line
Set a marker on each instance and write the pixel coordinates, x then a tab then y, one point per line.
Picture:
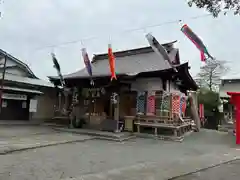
143	28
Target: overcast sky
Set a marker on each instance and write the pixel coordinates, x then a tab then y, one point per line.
27	25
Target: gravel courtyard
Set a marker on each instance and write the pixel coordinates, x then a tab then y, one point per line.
98	159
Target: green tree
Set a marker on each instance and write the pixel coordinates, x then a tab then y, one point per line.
210	99
216	6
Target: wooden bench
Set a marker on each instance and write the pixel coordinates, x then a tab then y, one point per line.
152	121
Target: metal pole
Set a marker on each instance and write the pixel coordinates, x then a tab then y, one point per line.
2	81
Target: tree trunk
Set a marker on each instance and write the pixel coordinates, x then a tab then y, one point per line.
210	81
194	109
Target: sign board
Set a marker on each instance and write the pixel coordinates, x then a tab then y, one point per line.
33	105
14	96
94	92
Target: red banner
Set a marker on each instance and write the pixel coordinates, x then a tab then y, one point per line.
201	111
151	103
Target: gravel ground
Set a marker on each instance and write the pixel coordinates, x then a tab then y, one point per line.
95	159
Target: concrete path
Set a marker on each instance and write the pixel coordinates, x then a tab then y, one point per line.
133	159
18	138
162	170
19	123
38	141
23	131
223	171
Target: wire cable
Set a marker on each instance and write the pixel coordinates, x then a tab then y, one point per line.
123	32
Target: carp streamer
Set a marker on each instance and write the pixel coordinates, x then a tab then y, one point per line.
111	59
87	63
197	42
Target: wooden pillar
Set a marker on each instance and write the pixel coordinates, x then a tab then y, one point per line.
111	108
116	109
90	107
170	110
175	132
116	112
59	101
155	131
138	126
66	101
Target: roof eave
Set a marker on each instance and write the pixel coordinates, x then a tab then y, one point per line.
194	84
22	65
55	78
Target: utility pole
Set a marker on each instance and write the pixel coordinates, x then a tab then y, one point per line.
2	81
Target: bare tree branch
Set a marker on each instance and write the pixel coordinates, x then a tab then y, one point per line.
210	74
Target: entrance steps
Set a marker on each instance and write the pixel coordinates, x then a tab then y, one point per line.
97	134
226	127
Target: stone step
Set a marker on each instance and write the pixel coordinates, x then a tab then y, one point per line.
121	136
226	127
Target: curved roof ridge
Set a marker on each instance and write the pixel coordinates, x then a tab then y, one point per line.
129	52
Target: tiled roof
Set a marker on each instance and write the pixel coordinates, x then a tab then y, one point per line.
131	52
22	64
26	80
130	62
234	76
22	90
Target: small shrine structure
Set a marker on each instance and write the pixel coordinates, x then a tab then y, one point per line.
149	96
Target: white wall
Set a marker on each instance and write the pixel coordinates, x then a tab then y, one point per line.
173	87
152	84
15	71
147	84
228	87
9	62
45	106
